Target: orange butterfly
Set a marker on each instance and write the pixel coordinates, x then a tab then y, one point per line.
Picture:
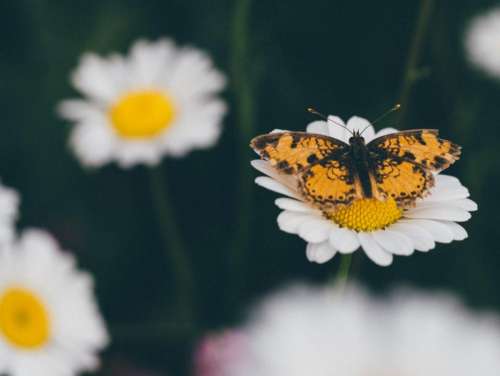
331	172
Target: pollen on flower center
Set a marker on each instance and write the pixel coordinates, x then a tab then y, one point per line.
366	214
24	321
142	114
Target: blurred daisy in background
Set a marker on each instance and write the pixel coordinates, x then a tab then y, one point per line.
9	211
482	39
49	322
314	331
159	100
382	229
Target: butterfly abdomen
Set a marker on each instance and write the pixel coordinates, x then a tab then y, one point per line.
361	165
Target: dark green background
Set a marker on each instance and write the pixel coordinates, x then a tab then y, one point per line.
343	57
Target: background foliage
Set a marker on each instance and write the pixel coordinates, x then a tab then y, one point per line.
343	57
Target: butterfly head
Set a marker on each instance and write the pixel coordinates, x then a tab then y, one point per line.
357	138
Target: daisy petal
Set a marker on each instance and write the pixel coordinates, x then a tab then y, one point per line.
394	242
344	240
293	205
318	127
335	130
274	186
440	232
443	212
385	131
289	221
443	193
458	231
421	238
373	250
320	252
314	230
360	124
448	181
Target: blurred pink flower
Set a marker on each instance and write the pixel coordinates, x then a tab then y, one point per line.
217	353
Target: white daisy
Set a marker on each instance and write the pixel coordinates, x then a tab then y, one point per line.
380	228
482	42
159	100
9	211
311	331
49	322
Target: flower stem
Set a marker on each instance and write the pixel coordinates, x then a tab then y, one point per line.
176	256
339	281
242	86
412	73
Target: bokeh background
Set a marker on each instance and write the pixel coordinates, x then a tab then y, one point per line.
343	57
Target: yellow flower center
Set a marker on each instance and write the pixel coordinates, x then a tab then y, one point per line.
367	214
142	114
23	318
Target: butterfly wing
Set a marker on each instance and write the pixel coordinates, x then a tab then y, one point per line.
420	146
330	183
403	163
402	180
292	152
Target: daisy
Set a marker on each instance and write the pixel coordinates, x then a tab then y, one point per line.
9	207
49	322
315	331
381	229
159	100
482	41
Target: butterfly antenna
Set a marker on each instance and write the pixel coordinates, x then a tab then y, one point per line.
328	119
390	111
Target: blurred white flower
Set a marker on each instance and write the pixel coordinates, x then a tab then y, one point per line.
482	41
49	322
318	332
216	353
381	228
159	100
9	211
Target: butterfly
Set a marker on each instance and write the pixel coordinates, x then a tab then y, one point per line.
330	172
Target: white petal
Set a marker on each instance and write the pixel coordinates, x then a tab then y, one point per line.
149	60
394	242
458	231
315	230
385	131
293	205
465	204
318	127
289	221
265	167
373	250
440	232
335	130
421	238
93	143
344	240
446	193
320	252
443	212
274	186
99	78
78	110
447	180
357	123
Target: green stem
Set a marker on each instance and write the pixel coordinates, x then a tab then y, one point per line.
178	260
244	106
411	71
339	281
